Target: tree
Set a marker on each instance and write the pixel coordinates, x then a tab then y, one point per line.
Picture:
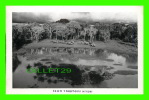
18	37
116	31
59	30
130	34
63	21
74	28
21	34
104	35
83	33
27	32
48	30
92	33
36	32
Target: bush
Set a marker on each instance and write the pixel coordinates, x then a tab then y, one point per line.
130	34
18	37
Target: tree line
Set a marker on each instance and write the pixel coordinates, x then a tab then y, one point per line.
64	29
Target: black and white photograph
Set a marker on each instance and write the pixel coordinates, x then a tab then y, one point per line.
75	47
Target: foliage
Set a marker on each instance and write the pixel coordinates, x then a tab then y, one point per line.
104	35
130	34
37	32
20	36
63	29
124	32
63	21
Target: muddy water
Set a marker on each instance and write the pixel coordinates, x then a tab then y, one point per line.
74	68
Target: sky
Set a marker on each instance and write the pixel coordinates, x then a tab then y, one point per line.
84	16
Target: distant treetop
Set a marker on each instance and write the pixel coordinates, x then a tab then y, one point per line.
64	21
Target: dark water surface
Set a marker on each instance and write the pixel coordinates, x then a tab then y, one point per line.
83	68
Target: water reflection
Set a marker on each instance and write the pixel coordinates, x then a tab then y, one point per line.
16	62
91	68
79	75
43	50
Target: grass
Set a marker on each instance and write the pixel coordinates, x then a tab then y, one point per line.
111	45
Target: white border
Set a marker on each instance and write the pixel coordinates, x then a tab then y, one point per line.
10	9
